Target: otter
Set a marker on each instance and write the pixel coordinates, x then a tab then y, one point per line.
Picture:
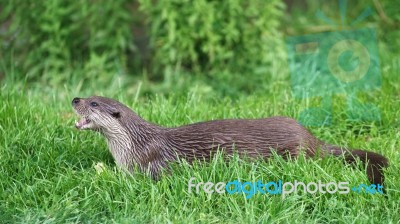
135	141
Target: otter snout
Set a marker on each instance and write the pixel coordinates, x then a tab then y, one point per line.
96	112
81	110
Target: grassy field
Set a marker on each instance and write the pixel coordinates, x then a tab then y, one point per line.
49	171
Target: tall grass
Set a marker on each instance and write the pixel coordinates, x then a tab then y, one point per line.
50	172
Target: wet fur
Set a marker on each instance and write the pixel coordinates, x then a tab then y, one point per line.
132	140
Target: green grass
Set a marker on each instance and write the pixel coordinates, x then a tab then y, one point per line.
48	174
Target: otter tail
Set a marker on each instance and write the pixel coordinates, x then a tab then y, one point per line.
375	162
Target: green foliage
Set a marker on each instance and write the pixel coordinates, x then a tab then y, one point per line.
235	46
94	40
60	35
48	169
51	173
389	13
214	36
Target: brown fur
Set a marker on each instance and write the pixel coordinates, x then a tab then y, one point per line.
133	140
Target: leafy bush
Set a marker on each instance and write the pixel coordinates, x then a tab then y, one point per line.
59	35
213	36
94	39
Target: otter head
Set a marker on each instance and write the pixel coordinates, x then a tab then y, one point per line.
97	113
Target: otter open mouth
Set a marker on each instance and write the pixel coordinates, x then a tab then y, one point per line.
83	123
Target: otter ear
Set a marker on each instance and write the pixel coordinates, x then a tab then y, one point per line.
113	112
116	114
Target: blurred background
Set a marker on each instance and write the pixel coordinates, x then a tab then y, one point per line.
216	48
176	62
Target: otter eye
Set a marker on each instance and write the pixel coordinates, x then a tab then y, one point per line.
93	104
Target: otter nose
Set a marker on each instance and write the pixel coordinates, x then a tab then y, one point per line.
75	101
